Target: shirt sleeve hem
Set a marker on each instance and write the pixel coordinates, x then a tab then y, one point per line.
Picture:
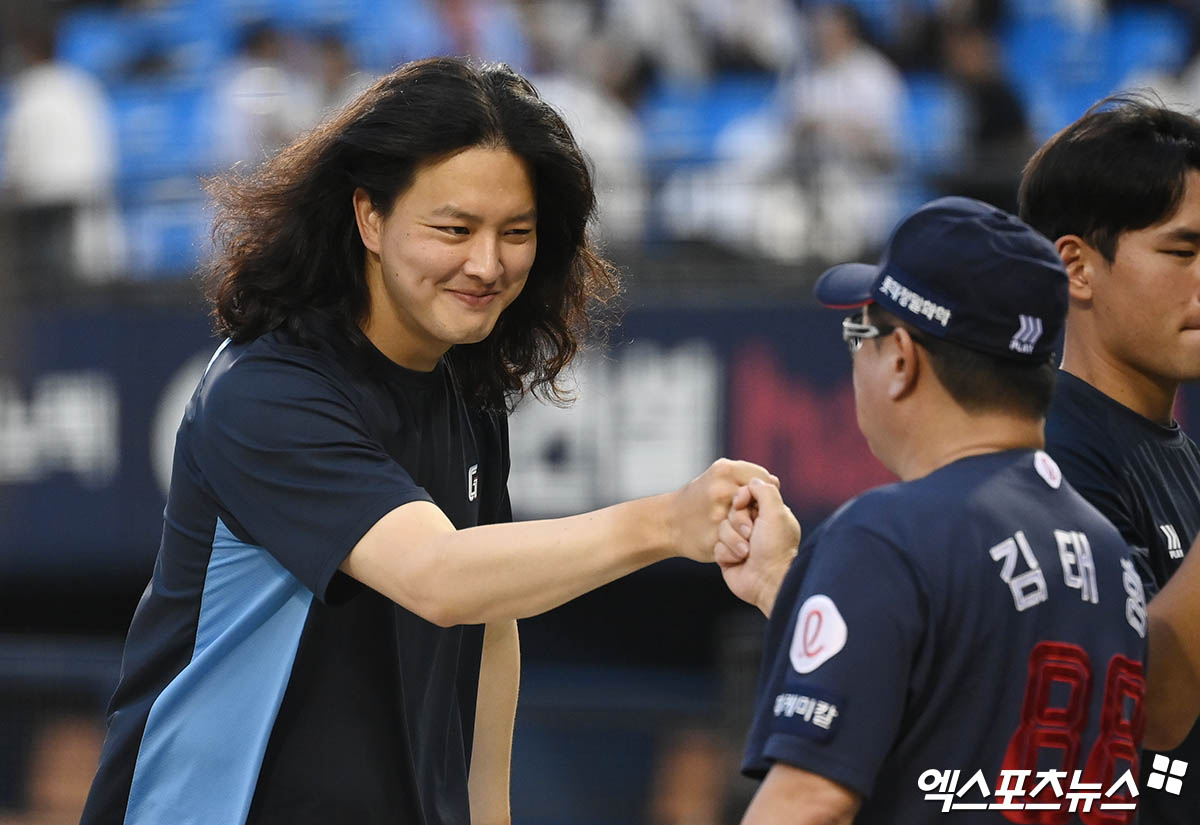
799	754
359	528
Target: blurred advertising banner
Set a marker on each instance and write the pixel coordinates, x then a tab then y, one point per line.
89	401
678	388
90	398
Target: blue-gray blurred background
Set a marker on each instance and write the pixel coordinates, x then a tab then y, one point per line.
739	147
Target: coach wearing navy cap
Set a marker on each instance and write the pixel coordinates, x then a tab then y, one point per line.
964	271
946	642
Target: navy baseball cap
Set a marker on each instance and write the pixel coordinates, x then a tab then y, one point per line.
967	272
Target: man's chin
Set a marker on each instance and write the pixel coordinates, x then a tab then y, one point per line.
473	336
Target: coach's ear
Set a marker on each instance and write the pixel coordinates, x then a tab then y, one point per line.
904	367
1080	258
369	220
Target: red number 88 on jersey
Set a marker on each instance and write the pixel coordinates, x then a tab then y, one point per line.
1060	671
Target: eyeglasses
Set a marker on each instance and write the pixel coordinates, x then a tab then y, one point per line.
855	331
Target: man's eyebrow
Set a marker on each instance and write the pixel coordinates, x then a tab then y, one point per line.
1183	234
449	210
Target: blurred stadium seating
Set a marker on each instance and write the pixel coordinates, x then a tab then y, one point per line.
160	66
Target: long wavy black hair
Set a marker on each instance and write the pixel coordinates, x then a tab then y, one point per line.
289	255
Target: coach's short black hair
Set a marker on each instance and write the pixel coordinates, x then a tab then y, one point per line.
980	382
1122	166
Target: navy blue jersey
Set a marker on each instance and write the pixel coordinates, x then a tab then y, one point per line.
1146	478
935	634
259	683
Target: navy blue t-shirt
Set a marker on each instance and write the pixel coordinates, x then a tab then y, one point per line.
1145	477
259	683
984	618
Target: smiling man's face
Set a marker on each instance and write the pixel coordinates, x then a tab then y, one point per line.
451	255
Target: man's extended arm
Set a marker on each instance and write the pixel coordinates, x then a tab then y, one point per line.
415	556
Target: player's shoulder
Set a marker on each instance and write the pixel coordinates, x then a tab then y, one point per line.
893	519
1108	450
276	352
1078	418
267	371
877	530
914	500
881	513
1085	426
962	491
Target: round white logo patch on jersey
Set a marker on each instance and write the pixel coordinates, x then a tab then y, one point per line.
820	634
1047	469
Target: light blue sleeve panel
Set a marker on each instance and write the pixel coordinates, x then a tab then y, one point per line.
207	732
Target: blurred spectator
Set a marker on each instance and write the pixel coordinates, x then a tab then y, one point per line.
580	37
922	25
697	778
51	729
263	100
665	38
1081	13
750	35
612	141
556	29
581	73
814	177
687	41
845	115
339	79
63	759
997	138
1179	90
60	161
485	29
1177	86
689	782
985	14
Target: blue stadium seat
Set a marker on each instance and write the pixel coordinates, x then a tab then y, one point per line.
294	14
236	12
1055	66
932	122
191	40
161	131
681	122
1031	9
101	41
398	30
167	238
881	17
323	13
1027	48
1058	107
1050	51
194	40
1147	40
